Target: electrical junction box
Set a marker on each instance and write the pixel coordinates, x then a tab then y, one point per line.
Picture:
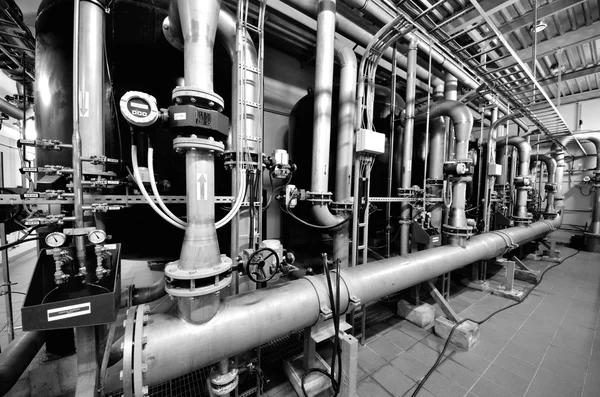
494	169
371	142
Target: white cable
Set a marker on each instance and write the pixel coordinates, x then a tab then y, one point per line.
167	213
238	201
155	189
140	184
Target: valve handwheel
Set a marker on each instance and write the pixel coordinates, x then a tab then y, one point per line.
256	265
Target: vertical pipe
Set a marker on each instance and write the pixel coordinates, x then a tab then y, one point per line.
10	329
77	147
561	165
388	206
323	95
407	144
450	93
435	168
345	142
91	82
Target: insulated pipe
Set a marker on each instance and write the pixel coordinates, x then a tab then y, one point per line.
522	181
462	120
15	359
450	93
376	11
360	36
407	145
175	347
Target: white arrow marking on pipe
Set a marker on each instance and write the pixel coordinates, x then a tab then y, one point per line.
202	187
84	104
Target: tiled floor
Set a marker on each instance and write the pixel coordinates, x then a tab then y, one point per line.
547	346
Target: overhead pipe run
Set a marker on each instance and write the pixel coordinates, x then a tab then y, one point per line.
522	181
376	11
251	319
592	236
459	168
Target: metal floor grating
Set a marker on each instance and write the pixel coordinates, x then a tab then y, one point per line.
193	384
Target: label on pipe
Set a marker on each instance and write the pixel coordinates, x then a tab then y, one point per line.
202	187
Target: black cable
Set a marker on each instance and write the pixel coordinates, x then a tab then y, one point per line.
15	243
273	190
441	355
337	350
18	208
290	213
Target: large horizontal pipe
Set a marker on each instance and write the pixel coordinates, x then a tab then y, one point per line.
360	36
16	358
384	17
175	347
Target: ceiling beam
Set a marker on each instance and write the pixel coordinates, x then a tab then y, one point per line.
582	96
543	12
489	6
571	75
569	39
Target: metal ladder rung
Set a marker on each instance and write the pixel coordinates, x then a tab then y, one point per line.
249	68
361	247
251	27
362	224
250	103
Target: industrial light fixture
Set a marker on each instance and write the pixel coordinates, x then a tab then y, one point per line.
538	27
555	68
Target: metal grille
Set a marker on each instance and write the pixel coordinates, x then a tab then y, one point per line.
193	384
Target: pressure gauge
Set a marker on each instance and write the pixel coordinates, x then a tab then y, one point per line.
55	239
139	108
97	236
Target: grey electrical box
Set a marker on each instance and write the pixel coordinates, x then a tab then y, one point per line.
494	169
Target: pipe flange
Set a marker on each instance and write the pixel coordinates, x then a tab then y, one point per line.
434	182
172	270
521	181
320	198
551	187
197	97
220	380
166	28
187	143
189	288
591	235
224	390
522	221
449	230
549	215
341	206
133	347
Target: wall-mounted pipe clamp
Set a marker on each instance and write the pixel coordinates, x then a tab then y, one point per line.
319	198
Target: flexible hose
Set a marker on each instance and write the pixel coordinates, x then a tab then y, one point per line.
140	184
176	221
155	189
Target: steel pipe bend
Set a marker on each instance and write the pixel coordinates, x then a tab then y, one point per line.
593	137
551	165
524	149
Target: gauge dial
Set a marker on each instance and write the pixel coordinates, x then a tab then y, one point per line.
55	239
97	236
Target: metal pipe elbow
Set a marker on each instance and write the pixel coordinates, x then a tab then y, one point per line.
550	165
459	113
593	137
524	149
17	357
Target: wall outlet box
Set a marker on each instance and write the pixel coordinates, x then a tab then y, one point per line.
494	169
371	142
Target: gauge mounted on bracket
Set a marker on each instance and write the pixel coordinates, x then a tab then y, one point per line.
55	239
139	109
97	236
